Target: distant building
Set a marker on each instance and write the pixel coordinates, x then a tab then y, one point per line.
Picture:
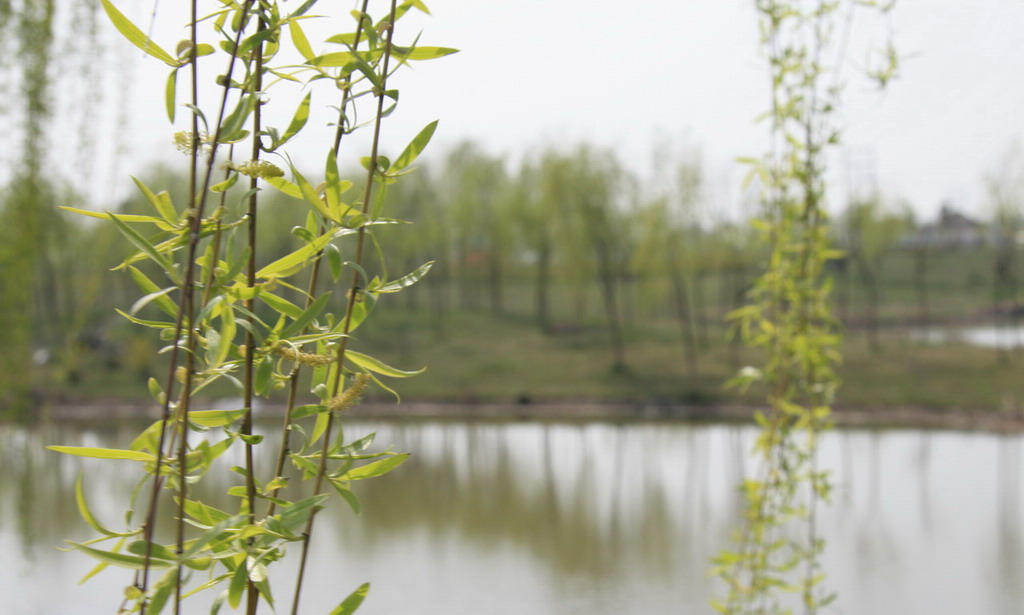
951	230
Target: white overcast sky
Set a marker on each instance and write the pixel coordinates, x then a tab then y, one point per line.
682	74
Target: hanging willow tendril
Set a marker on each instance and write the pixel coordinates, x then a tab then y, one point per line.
790	317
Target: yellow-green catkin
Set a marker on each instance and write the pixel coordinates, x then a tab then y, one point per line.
351	395
305	358
256	168
185	142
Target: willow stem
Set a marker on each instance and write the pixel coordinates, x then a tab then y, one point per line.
195	218
353	297
293	384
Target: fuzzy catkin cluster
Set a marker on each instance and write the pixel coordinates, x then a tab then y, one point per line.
351	395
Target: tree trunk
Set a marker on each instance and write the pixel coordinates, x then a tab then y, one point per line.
542	300
921	285
684	314
497	302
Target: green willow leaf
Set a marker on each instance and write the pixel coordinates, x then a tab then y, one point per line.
298	120
87	516
238	583
204	513
296	514
162	592
103	453
306	317
148	286
164	226
342	488
376	468
285	186
233	123
334	186
215	418
406	280
135	36
336	59
375	365
334	261
310	196
290	264
157	551
161	202
308	410
147	299
280	304
350	604
419	4
225	185
422	53
144	246
170	94
262	379
227	333
152	324
100	567
120	559
300	41
308	4
415	147
319	427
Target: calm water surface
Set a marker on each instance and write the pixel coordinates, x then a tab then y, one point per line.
1005	337
549	518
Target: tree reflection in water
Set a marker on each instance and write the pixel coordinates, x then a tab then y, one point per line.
571	517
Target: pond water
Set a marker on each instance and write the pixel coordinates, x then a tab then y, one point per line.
558	518
1007	337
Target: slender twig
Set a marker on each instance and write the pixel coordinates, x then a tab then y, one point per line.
293	384
250	339
183	405
195	218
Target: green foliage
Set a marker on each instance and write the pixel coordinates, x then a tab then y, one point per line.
238	324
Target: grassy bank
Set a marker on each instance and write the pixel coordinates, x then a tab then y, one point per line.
472	356
483	358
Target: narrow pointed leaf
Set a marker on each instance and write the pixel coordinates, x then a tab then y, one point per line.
423	53
285	186
298	120
353	601
123	217
415	147
120	559
310	196
215	418
148	286
376	468
406	280
299	40
375	365
83	509
170	94
238	582
103	453
307	316
227	333
287	265
147	299
143	245
134	35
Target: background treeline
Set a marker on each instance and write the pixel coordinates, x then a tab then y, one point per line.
566	276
